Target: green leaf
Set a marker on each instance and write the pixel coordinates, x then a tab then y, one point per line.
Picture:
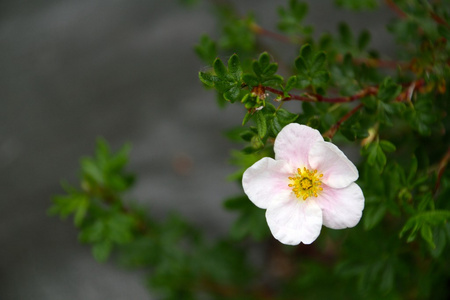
219	68
291	18
247	117
306	53
434	218
74	203
250	80
375	155
101	251
300	64
373	215
206	49
207	79
381	157
440	240
388	90
270	70
427	235
261	123
264	60
234	67
285	116
345	34
363	40
320	78
291	83
318	62
232	94
387	146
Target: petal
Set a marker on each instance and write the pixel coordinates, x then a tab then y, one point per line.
341	208
266	179
293	221
294	142
338	171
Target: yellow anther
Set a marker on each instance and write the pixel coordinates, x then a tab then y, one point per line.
306	183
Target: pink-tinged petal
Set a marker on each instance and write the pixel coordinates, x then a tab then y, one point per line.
294	142
338	171
293	221
341	208
266	179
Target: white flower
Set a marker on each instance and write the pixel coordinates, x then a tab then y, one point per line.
310	183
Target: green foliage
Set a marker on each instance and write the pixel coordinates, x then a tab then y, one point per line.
206	49
251	222
264	73
227	81
311	68
393	113
291	18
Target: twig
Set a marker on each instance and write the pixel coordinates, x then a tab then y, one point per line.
274	35
442	165
392	5
377	63
332	131
310	97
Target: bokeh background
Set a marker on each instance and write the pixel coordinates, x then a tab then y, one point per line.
75	70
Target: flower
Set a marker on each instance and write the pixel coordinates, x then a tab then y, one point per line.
310	183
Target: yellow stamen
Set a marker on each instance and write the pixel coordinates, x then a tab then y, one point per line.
306	183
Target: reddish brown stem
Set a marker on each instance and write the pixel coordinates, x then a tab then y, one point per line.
377	63
309	97
442	165
439	20
392	5
274	35
332	131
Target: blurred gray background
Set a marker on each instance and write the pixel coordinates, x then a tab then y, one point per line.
74	70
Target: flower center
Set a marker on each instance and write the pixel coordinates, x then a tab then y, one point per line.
306	183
